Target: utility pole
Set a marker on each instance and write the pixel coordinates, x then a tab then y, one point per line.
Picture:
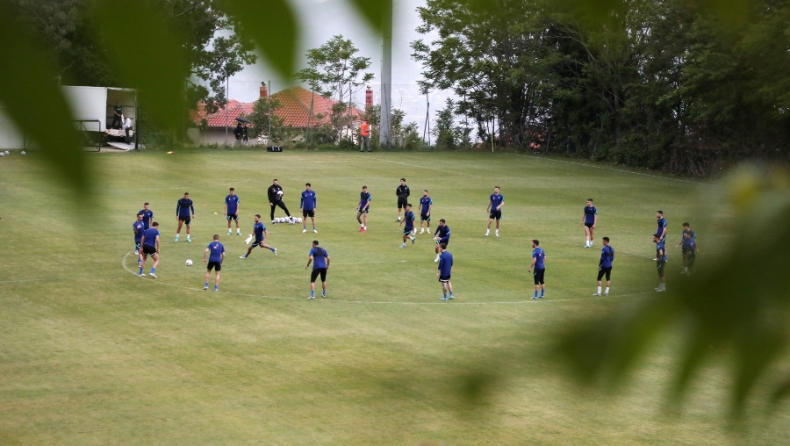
269	112
427	129
227	99
386	77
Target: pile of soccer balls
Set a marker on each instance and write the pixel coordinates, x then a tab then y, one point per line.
287	220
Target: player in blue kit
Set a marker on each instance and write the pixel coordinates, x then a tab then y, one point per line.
442	235
494	209
260	233
215	258
150	244
688	242
308	206
232	210
589	221
538	259
183	206
605	266
362	209
662	225
661	261
320	259
148	215
444	270
408	218
426	206
138	227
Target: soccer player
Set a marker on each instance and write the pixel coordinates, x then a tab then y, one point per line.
320	260
662	225
275	193
444	270
689	252
183	206
150	244
494	210
232	210
214	261
426	205
605	266
403	193
138	227
661	260
442	236
260	235
693	236
538	257
589	221
362	208
308	206
148	216
408	217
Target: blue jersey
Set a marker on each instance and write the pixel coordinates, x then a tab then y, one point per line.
689	245
138	227
215	251
607	257
660	247
661	225
308	200
319	256
589	214
496	200
148	217
540	256
409	218
444	233
364	198
233	204
445	264
425	205
150	236
691	232
183	207
258	230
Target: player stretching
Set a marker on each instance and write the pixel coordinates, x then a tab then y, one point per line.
444	270
232	210
150	244
148	215
138	228
362	208
214	260
494	210
426	205
260	232
403	193
538	257
408	217
183	207
320	260
308	206
661	260
605	266
275	193
442	236
689	242
589	221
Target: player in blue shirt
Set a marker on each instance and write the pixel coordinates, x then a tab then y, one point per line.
260	233
538	259
661	261
426	205
683	242
362	209
320	259
183	206
408	218
444	270
148	215
662	225
442	235
215	258
605	266
138	227
308	206
494	209
589	221
232	210
150	244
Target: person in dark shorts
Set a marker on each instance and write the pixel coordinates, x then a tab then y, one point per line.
690	251
442	235
183	206
408	230
215	258
320	260
117	113
275	193
260	233
150	244
308	206
232	210
138	227
426	205
605	266
538	257
444	271
661	261
589	221
403	193
494	209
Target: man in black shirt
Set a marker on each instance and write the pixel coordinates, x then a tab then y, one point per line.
276	199
403	193
116	115
238	133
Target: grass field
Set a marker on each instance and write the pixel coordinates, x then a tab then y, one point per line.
92	354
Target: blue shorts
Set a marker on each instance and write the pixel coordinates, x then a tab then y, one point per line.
258	243
136	246
363	212
446	242
408	231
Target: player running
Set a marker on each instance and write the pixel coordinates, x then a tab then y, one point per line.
661	261
589	221
150	244
148	215
605	266
214	261
538	259
444	270
403	193
426	205
308	206
183	206
494	209
442	236
232	210
138	227
408	217
362	208
260	233
275	193
320	259
683	242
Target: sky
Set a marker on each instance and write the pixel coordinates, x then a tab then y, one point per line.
322	19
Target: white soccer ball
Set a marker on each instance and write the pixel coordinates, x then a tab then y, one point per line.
298	219
23	153
291	221
2	153
189	262
7	152
280	193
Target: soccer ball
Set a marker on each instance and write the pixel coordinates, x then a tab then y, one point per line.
189	262
7	152
23	152
280	193
2	153
291	221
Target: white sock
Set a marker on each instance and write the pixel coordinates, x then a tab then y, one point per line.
607	290
599	290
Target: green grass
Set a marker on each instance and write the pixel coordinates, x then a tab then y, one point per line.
92	354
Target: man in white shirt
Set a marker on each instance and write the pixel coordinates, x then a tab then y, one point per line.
127	125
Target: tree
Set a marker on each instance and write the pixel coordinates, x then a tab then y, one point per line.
264	116
445	130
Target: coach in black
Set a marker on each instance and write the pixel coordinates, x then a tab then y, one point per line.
276	199
403	193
